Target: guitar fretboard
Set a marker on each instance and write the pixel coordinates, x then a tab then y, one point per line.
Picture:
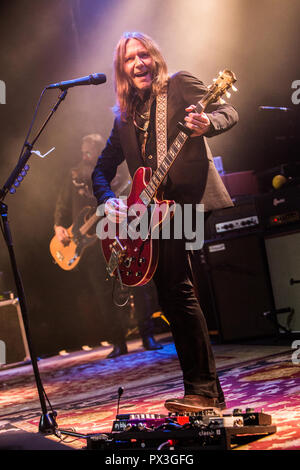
160	173
89	223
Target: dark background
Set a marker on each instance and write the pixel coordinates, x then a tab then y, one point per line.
44	42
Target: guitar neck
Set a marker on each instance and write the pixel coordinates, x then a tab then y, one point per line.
89	223
161	172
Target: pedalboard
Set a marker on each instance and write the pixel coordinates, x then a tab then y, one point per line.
209	417
204	430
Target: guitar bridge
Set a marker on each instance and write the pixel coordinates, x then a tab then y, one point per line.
117	253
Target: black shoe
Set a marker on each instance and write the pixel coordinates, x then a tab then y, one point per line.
150	344
192	403
222	405
119	350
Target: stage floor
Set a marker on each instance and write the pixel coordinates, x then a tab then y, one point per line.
82	387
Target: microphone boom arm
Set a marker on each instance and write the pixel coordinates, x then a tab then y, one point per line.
26	155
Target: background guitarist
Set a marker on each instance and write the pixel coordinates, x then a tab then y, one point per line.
75	194
141	75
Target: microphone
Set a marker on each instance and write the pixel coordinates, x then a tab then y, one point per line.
93	79
120	393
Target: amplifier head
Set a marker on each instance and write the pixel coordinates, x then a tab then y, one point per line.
279	207
241	218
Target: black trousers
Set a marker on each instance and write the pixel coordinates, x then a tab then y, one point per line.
113	318
176	295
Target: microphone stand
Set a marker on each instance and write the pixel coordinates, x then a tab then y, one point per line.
47	424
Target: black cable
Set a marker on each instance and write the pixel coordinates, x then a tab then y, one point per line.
119	293
32	122
58	434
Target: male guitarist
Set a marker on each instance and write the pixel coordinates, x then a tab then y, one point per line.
75	195
140	77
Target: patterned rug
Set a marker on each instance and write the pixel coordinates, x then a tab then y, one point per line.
82	387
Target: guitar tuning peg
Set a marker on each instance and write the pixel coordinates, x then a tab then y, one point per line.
222	101
228	94
234	88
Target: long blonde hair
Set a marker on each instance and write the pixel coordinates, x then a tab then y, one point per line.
126	93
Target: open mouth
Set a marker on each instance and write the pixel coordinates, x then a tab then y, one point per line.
141	74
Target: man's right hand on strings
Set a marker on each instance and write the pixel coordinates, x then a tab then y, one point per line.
62	234
115	209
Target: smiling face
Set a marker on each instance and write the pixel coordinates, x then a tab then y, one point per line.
138	65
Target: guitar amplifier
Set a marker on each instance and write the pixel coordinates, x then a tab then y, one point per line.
283	255
239	219
280	208
13	343
240	287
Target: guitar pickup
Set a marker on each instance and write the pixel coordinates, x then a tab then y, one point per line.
123	248
72	260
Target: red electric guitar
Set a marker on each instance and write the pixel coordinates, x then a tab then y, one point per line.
131	258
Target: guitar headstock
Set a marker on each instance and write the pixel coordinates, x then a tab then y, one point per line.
220	86
216	90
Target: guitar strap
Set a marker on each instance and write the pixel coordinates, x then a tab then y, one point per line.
161	127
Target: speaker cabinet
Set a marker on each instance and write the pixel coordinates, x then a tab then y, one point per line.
241	287
283	253
13	342
203	290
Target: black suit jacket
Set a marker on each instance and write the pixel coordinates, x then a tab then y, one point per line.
193	177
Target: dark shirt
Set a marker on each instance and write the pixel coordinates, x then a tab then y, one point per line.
75	194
